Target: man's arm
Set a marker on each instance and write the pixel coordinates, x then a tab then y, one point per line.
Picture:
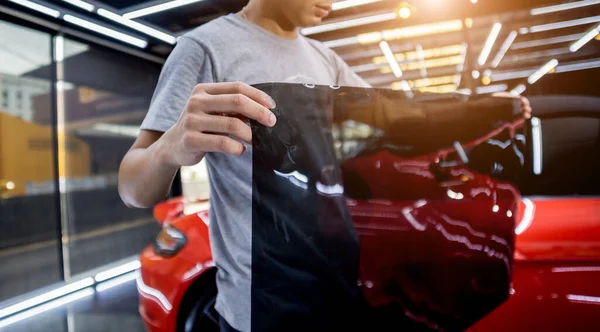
213	117
143	178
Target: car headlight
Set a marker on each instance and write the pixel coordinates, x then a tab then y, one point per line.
169	241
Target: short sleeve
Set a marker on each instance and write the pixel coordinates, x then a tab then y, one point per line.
187	65
346	76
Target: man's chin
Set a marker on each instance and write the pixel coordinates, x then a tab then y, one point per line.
313	21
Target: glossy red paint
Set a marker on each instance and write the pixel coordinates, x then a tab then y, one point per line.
164	281
557	268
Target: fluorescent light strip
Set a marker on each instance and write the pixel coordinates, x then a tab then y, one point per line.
349	23
546	41
106	31
421	58
536	137
578	66
489	43
400	33
561	7
81	4
537	54
504	48
542	71
584	40
138	26
518	90
37	7
491	88
389	55
350	3
116	281
49	296
367	67
158	8
341	42
505	76
117	271
565	24
47	306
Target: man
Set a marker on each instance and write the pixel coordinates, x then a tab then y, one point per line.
196	114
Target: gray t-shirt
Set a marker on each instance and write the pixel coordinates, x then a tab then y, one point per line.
224	50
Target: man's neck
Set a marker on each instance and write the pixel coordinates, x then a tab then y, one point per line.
269	19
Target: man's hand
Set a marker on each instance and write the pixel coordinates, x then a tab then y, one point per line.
525	105
212	120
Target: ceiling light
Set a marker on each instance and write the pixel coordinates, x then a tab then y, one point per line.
410	32
349	23
431	63
491	89
427	53
518	90
469	22
138	26
81	4
385	48
584	40
421	57
564	6
342	42
486	80
366	67
536	138
475	74
537	54
504	48
473	1
158	8
404	12
542	71
37	7
447	88
106	31
489	43
565	24
578	66
404	86
505	76
350	3
546	41
424	82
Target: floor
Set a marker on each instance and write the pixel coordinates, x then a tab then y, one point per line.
113	309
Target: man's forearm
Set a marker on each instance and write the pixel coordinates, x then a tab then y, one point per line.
144	179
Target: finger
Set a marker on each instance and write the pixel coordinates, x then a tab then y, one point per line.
239	88
237	105
224	125
214	143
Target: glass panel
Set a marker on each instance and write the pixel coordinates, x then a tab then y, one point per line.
29	254
102	99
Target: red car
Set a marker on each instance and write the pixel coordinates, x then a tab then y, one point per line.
548	210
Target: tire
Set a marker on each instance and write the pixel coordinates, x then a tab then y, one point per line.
198	312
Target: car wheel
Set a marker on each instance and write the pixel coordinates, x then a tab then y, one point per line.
198	312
